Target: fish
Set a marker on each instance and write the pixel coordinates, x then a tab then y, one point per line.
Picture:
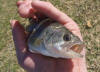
50	38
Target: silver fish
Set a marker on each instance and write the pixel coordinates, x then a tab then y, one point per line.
51	38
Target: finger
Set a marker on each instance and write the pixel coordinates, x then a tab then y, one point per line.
19	37
49	10
25	9
72	65
79	64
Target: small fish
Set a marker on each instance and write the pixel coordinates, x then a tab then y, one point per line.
51	38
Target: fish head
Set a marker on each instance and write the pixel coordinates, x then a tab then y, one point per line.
63	42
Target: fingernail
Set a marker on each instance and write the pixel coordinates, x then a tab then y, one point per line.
13	22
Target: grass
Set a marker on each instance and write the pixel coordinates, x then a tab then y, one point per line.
79	10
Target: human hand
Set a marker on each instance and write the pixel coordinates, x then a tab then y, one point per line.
36	62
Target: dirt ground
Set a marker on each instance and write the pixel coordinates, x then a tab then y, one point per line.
85	12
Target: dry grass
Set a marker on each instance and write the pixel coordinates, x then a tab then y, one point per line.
81	11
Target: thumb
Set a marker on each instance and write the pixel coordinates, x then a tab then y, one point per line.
19	38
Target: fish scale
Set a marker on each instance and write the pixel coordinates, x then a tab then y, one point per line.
53	39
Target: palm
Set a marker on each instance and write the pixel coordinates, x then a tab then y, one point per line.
41	63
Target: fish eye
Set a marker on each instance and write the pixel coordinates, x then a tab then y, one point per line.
67	37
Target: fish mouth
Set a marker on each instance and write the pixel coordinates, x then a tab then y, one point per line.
77	48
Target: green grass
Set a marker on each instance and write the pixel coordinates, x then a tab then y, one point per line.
79	10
